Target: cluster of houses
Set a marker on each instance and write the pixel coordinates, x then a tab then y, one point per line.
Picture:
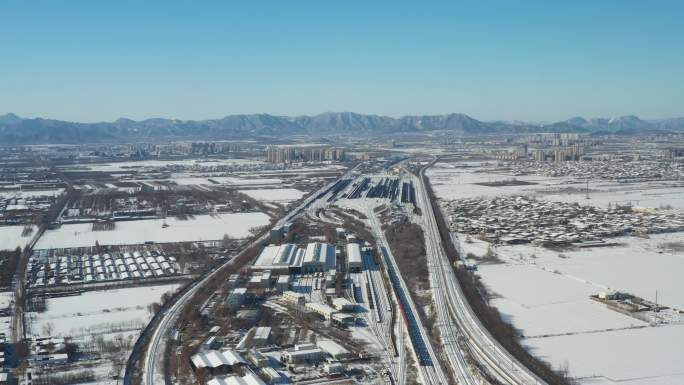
641	170
17	209
339	310
46	270
519	219
44	353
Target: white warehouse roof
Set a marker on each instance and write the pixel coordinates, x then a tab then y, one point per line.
249	379
215	359
322	254
275	256
353	254
332	348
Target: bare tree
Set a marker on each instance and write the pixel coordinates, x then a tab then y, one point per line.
227	240
48	328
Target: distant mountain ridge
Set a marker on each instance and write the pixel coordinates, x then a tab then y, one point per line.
17	130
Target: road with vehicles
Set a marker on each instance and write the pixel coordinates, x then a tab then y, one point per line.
484	348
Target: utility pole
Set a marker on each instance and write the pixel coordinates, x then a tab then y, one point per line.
587	191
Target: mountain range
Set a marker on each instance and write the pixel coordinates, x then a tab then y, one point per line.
17	130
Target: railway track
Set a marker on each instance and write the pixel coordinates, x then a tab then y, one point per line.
449	295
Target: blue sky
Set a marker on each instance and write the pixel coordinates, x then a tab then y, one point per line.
523	60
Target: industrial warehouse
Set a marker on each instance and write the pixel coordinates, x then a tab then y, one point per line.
316	257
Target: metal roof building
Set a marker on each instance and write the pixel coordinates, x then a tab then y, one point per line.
279	257
319	257
335	350
354	262
248	379
214	359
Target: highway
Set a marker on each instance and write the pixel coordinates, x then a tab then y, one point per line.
452	303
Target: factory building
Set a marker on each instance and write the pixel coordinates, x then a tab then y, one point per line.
216	362
249	378
319	257
279	258
294	298
276	234
354	261
321	309
257	359
334	349
261	335
288	258
236	298
304	353
343	304
283	283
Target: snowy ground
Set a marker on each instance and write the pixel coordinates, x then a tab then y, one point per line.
17	194
646	194
547	298
456	183
150	164
10	237
198	228
185	179
5	302
638	266
648	356
99	311
281	195
110	315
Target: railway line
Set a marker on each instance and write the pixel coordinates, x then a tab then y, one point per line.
430	369
450	299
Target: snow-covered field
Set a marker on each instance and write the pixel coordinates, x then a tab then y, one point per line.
111	315
5	302
148	164
455	183
10	237
198	228
299	170
17	194
182	179
551	303
281	195
638	266
547	298
546	295
99	311
646	194
648	356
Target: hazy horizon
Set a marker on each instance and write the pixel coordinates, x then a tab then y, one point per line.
334	112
